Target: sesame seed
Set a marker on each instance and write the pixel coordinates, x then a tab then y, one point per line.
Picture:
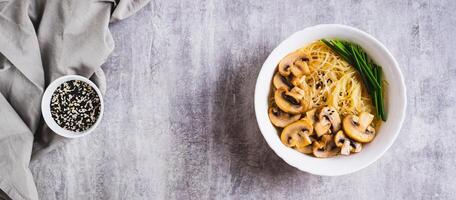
75	106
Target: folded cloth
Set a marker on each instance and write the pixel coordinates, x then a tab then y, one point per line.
41	40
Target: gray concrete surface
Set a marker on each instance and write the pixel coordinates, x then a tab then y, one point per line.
180	124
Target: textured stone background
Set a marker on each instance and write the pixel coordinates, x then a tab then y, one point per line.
180	124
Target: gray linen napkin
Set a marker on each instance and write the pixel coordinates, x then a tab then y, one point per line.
41	40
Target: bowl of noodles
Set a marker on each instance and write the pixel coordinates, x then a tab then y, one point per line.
330	100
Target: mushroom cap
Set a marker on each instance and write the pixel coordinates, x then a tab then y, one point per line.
325	147
287	102
280	81
280	118
297	134
358	128
295	63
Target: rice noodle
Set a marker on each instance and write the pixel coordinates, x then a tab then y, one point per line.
333	82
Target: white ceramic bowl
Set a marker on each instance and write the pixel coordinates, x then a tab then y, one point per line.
46	104
395	101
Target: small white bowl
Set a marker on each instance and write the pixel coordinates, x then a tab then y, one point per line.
46	107
395	101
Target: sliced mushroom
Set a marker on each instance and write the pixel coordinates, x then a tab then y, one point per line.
355	146
280	118
340	138
358	127
311	115
325	147
322	128
281	81
347	145
330	114
345	149
295	63
288	102
307	149
297	93
311	133
296	135
329	119
298	81
365	119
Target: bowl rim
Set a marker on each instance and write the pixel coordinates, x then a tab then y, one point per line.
46	113
264	128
